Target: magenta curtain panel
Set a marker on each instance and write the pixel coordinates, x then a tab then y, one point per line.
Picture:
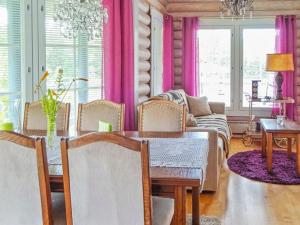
286	43
168	54
119	57
189	58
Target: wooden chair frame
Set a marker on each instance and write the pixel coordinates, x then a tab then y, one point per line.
69	145
106	102
67	116
39	146
180	108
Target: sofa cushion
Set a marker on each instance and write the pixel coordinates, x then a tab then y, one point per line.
191	120
198	106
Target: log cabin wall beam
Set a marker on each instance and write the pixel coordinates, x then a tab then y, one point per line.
160	5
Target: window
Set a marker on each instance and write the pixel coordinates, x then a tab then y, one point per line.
257	43
77	57
10	59
231	55
215	64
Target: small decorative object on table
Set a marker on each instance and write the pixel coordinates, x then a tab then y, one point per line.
255	89
280	120
10	114
52	100
104	127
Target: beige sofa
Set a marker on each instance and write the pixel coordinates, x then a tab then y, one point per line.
219	138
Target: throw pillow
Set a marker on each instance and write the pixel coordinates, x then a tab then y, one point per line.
199	106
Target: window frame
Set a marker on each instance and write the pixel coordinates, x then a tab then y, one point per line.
40	57
26	64
232	30
241	44
237	26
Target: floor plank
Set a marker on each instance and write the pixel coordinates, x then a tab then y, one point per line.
243	201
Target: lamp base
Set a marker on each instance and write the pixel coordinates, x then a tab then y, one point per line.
279	81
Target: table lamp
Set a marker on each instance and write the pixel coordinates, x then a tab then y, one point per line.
280	63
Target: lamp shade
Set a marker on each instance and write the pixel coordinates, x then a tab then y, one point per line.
280	62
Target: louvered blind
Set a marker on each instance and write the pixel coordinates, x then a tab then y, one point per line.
77	57
10	58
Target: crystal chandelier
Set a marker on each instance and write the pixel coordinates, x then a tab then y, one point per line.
81	16
237	8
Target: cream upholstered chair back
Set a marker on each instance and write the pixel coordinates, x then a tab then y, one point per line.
24	186
35	119
106	180
90	113
161	116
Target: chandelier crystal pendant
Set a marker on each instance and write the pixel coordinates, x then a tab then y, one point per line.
236	8
81	16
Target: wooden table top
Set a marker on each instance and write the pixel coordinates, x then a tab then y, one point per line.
159	175
271	126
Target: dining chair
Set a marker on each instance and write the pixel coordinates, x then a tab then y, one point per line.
161	116
24	188
35	119
90	113
107	181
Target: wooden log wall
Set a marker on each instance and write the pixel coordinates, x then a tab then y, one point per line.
144	52
210	8
160	5
177	53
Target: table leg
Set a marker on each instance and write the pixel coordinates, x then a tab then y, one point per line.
289	149
180	201
263	142
195	202
269	151
298	154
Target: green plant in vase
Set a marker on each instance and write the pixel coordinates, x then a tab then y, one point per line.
52	99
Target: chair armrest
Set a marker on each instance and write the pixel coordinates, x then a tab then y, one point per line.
217	107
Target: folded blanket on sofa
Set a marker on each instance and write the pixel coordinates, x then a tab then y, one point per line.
218	122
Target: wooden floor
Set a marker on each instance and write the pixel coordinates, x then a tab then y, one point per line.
240	201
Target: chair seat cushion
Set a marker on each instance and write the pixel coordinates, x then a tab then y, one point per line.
163	210
58	209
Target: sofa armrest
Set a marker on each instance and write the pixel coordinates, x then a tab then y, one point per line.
213	161
213	135
217	107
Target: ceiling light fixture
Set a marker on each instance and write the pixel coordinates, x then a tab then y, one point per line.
236	8
81	16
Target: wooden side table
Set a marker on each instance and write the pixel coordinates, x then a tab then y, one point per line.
270	130
251	134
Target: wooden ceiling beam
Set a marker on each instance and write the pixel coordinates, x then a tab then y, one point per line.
159	5
217	14
214	6
203	1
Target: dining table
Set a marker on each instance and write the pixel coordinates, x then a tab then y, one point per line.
171	182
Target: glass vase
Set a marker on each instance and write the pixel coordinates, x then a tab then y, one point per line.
51	131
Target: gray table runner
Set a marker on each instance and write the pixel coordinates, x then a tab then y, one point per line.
164	152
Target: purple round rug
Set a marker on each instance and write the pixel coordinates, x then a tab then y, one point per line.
252	165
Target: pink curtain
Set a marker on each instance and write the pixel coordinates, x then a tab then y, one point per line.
286	43
189	58
168	55
119	57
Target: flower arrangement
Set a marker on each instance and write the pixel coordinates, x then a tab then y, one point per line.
52	100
